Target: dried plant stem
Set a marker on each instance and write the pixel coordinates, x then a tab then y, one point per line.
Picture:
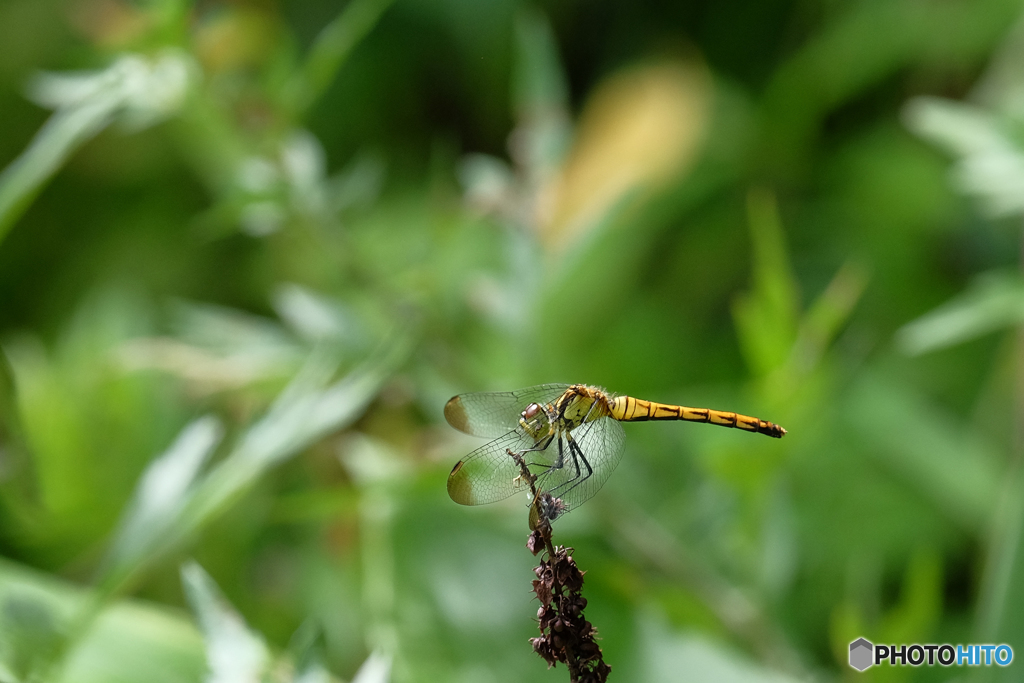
566	636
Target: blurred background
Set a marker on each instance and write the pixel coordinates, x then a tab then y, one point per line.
249	248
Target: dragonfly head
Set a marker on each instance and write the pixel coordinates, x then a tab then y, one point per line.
534	421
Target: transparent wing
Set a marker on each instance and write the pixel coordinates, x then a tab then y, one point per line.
492	414
600	445
489	473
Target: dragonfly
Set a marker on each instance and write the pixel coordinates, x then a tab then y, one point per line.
568	437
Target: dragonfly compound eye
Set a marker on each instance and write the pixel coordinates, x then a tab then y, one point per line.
531	411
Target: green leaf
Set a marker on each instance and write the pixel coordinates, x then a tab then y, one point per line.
8	407
233	651
993	302
62	135
999	618
303	413
376	669
129	641
316	317
89	428
667	654
159	497
861	45
826	316
332	47
766	317
913	618
990	164
953	466
313	673
137	91
540	97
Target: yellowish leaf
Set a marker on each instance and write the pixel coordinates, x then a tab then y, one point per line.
641	128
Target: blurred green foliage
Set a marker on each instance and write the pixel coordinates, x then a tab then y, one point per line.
249	248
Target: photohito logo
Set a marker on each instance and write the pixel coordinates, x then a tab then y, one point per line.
864	653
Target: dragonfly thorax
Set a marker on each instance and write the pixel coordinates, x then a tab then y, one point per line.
582	404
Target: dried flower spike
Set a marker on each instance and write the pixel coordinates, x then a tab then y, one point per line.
565	635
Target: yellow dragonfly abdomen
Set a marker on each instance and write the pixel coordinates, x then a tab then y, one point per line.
629	409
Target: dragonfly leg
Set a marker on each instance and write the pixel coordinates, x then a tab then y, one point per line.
559	463
541	445
577	453
577	456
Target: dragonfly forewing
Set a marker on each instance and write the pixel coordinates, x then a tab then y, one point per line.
492	414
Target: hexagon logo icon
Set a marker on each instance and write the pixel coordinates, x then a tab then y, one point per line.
861	651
